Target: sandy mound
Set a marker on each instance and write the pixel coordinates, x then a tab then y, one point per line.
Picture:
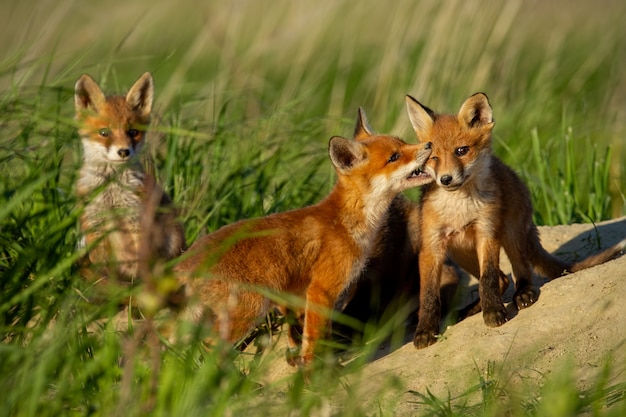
578	318
578	321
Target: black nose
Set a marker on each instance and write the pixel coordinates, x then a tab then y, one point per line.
124	153
446	179
428	145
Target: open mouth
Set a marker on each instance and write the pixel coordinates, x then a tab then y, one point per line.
418	173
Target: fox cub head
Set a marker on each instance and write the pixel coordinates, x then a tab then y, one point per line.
386	164
461	143
112	128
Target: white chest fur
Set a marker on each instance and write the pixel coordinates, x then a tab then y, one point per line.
113	194
460	209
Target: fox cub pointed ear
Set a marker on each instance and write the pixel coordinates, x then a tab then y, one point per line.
345	153
476	111
362	129
421	117
87	94
141	94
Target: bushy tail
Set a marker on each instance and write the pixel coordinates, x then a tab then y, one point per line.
599	258
552	267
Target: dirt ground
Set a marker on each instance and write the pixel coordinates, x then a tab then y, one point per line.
578	321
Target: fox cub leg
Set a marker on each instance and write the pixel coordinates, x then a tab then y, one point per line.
431	260
326	285
525	294
319	303
489	283
492	284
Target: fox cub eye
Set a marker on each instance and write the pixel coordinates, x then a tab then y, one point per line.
105	132
133	133
463	150
394	157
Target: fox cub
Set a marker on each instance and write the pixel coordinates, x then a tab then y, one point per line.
118	193
476	206
314	252
389	283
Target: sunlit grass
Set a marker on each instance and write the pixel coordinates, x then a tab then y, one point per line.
247	95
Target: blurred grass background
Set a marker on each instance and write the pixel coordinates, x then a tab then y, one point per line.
294	72
247	95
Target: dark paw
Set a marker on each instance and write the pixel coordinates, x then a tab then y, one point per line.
525	297
495	317
293	357
424	339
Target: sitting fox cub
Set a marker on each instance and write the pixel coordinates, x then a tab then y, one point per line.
112	182
476	206
313	252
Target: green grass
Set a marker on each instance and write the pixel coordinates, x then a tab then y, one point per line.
248	94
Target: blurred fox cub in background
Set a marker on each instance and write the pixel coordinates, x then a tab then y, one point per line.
476	206
124	207
314	252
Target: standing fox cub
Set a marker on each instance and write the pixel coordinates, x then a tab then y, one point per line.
476	206
313	252
114	185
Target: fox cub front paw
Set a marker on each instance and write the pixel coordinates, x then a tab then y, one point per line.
525	297
495	317
424	339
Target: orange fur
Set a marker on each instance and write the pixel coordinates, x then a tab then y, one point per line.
114	185
389	283
314	252
476	206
